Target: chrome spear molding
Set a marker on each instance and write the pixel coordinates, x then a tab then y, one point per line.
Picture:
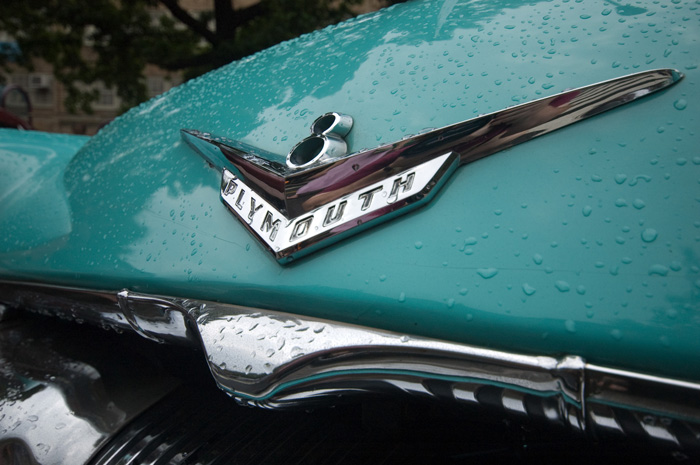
274	359
322	195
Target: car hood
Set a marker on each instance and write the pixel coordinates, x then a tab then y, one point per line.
584	241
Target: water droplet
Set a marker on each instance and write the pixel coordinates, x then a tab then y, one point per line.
616	334
620	202
659	270
382	278
580	290
587	210
649	235
418	245
570	326
563	286
296	352
675	266
528	290
680	104
450	303
404	338
638	204
537	258
596	178
620	178
487	273
463	291
402	297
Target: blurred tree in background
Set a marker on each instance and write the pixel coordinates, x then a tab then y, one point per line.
112	41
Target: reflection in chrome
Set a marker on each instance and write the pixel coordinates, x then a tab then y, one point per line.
60	402
274	359
322	195
326	142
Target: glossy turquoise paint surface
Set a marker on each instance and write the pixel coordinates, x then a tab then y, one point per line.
34	205
585	241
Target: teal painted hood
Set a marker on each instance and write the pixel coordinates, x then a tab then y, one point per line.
585	241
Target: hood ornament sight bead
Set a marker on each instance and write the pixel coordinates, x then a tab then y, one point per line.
322	194
327	141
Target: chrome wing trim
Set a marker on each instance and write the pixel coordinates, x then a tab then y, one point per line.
274	359
296	209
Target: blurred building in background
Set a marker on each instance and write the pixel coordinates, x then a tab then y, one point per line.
46	95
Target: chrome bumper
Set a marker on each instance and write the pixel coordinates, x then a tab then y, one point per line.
274	359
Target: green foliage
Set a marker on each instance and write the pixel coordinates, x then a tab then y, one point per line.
87	41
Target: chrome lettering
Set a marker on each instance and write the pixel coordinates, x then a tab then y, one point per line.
239	200
334	218
230	187
404	185
253	209
270	226
301	228
366	197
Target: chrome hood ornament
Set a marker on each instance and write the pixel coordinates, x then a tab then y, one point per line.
322	194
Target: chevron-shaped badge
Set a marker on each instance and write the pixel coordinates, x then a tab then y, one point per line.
322	194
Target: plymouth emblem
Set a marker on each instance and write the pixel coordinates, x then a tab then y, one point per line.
323	194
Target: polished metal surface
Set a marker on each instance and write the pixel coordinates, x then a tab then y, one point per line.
62	397
273	359
321	196
326	142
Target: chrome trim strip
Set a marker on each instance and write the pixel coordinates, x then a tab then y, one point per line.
63	397
274	359
318	176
